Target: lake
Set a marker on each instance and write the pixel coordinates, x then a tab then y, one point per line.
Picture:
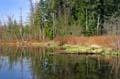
39	63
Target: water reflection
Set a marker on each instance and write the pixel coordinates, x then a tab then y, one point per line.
36	63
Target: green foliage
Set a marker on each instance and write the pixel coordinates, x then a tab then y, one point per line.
50	18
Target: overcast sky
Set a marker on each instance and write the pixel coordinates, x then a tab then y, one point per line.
12	7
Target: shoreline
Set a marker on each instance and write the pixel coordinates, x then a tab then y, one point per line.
69	44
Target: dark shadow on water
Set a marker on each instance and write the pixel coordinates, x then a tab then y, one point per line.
36	63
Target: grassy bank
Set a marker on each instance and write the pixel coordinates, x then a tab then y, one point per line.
71	44
67	48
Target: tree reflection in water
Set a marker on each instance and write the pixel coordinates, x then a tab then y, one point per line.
36	63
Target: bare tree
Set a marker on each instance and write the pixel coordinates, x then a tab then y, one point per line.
112	27
31	12
21	24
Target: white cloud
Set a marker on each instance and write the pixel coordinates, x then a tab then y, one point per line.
35	1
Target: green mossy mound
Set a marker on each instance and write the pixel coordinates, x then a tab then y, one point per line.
88	49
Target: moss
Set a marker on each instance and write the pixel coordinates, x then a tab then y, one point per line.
87	49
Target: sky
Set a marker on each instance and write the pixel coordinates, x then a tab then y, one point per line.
12	7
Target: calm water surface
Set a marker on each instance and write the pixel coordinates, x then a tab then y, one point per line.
35	63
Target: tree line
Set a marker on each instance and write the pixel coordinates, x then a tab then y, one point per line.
51	18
